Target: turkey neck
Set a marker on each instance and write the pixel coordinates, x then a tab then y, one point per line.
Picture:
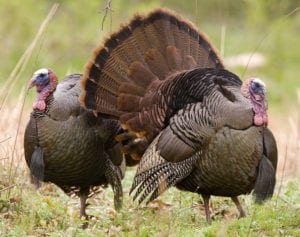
37	115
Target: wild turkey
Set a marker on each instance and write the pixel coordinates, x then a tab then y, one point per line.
207	130
69	146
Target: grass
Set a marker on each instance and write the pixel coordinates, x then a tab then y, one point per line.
66	45
49	212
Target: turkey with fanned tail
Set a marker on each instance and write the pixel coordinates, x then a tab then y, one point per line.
190	122
68	145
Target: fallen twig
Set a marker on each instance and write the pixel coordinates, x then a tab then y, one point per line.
9	187
107	9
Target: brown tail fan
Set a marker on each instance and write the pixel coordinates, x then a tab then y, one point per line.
122	77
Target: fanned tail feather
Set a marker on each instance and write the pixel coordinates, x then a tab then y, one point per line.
124	74
131	61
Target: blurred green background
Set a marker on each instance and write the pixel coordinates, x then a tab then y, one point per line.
265	29
235	27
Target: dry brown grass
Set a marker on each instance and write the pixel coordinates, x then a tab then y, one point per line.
12	115
286	131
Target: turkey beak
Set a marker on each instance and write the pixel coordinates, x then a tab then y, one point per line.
31	83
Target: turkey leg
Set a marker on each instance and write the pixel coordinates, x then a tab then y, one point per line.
206	206
83	198
239	206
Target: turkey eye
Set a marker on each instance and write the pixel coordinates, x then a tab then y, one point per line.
254	85
257	88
